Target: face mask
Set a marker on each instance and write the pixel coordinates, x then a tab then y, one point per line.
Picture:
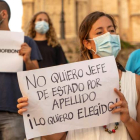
107	45
1	20
42	27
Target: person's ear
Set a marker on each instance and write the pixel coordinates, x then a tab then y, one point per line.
87	44
4	14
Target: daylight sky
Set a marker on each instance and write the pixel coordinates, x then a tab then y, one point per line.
16	15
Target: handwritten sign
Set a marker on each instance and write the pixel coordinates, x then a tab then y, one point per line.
10	44
71	96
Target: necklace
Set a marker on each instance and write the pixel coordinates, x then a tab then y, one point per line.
117	123
113	130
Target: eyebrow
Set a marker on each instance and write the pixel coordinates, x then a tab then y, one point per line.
110	26
99	28
43	19
102	27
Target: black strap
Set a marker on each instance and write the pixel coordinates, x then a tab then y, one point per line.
120	67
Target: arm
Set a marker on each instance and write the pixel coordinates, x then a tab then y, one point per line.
138	90
22	104
30	65
132	126
25	51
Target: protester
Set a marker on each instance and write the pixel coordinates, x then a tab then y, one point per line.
133	63
98	38
41	29
11	123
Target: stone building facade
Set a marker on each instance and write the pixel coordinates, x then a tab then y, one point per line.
126	13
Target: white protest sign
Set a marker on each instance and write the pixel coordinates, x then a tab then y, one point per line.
10	44
71	96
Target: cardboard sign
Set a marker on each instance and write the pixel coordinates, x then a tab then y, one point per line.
71	96
10	44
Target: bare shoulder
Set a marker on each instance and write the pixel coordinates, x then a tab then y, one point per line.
138	85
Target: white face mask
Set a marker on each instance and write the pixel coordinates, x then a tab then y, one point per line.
42	27
107	45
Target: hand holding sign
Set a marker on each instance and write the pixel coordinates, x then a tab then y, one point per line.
125	117
68	97
23	102
25	51
123	107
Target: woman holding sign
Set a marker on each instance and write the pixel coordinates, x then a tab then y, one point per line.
41	29
98	38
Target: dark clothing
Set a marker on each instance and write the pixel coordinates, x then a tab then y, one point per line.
120	67
52	56
9	88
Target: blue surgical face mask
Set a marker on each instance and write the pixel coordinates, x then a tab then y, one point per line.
42	27
107	45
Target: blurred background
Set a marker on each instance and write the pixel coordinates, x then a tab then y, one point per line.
68	14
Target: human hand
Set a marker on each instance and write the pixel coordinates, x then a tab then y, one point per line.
123	107
22	102
25	51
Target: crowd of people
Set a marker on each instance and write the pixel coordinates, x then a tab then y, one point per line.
41	48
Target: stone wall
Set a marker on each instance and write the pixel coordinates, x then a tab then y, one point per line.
126	13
